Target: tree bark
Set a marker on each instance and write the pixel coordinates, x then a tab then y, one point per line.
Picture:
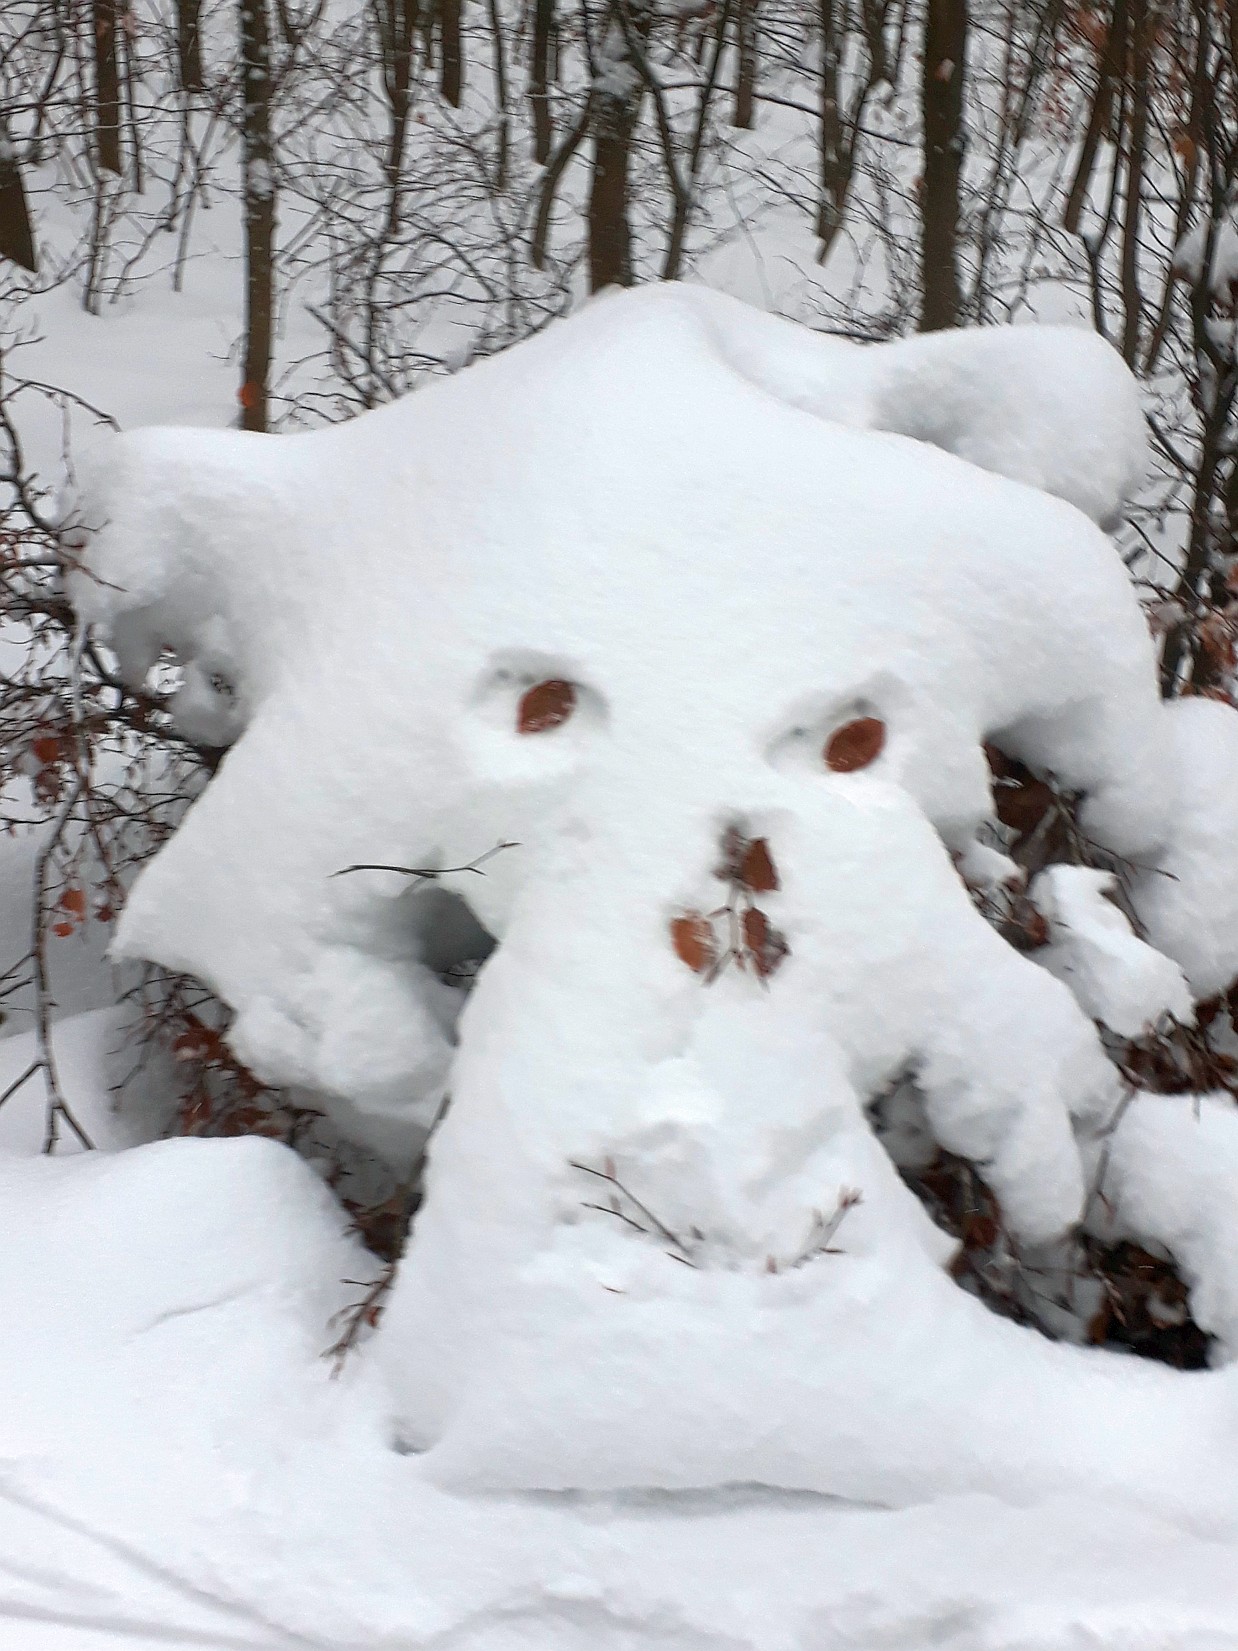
451	52
746	70
1101	117
107	86
259	200
189	44
16	232
539	80
945	55
615	101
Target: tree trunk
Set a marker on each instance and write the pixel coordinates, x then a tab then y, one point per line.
502	112
945	54
615	101
833	180
1136	155
189	44
539	80
451	53
1101	117
259	213
16	234
397	30
107	86
746	71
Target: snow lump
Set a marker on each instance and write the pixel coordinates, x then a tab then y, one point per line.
670	641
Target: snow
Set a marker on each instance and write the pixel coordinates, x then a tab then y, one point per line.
178	1464
84	1047
1169	1180
148	1498
249	556
1191	251
1189	900
619	1278
1052	406
1118	979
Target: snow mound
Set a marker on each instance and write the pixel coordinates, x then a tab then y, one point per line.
1170	1175
127	1272
1051	406
670	642
1189	899
379	642
1115	976
179	1467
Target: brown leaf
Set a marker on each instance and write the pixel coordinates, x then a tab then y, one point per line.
692	936
757	870
1020	800
73	900
1022	807
546	705
855	744
766	948
980	1231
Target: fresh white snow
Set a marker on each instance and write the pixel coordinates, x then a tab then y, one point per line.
652	1376
180	1468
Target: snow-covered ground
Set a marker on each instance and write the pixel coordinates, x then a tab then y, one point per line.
178	1462
180	1468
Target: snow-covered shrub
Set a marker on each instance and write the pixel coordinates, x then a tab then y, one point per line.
95	776
735	680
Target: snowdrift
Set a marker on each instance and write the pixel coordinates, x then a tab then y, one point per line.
666	648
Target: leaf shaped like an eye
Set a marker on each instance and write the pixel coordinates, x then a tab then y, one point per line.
546	705
855	745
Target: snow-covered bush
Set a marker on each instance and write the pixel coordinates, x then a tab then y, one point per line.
734	680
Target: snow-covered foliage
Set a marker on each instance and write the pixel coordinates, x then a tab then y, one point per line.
671	642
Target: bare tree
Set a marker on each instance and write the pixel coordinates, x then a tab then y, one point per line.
540	72
614	104
107	86
747	40
259	208
16	231
945	66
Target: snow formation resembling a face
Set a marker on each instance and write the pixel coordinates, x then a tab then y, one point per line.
609	600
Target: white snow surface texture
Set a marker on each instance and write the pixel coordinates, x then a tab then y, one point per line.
179	1468
731	536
